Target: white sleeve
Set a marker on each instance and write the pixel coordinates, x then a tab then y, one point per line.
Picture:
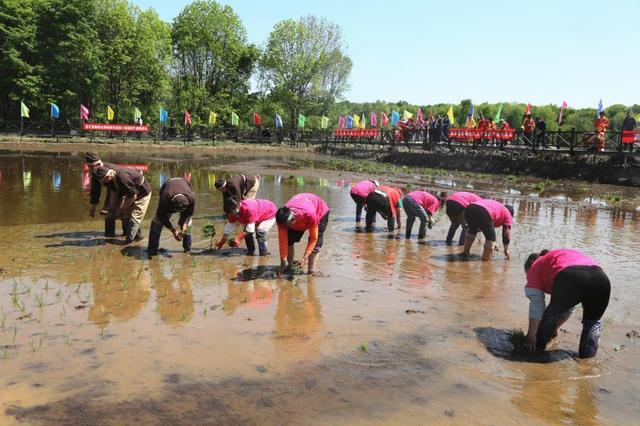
228	228
536	302
250	228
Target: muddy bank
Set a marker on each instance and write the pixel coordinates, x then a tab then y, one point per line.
607	170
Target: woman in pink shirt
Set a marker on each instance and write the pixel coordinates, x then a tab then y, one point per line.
485	215
359	193
301	213
423	205
570	277
456	204
258	216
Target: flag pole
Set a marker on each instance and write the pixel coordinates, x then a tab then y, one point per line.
21	126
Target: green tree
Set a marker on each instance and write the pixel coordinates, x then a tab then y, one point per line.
20	76
304	65
213	61
69	52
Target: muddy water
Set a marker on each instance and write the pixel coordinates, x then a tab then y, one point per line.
390	332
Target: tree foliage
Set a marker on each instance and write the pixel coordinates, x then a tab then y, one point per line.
303	66
213	61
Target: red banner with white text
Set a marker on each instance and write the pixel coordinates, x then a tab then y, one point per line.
106	127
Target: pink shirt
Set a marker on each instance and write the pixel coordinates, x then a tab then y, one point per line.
428	201
363	188
498	212
464	198
545	268
308	209
254	211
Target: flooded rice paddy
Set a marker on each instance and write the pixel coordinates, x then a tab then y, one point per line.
390	331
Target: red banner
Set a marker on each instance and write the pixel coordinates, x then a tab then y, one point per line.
106	127
468	134
630	136
357	133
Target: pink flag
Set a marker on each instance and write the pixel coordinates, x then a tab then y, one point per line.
384	120
419	116
562	108
84	112
187	118
528	110
341	122
431	114
374	119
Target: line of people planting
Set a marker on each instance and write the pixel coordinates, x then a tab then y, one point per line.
568	276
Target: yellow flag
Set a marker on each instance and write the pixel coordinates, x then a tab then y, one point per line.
406	115
356	121
110	113
213	117
450	115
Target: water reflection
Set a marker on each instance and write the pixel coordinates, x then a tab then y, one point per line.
174	295
556	398
121	288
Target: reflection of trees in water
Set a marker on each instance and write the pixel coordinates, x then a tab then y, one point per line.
120	289
555	400
297	315
174	294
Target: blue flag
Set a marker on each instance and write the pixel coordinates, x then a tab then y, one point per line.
471	111
55	111
164	115
395	117
278	122
600	108
349	124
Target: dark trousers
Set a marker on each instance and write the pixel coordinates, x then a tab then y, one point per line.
413	210
588	285
154	239
378	202
454	211
360	203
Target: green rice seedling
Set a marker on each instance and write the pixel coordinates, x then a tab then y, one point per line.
517	337
209	231
364	347
68	339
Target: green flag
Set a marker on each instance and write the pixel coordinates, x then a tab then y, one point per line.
137	115
24	111
234	119
324	123
301	120
496	119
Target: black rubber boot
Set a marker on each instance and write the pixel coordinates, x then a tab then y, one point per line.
109	228
251	244
186	242
262	243
154	238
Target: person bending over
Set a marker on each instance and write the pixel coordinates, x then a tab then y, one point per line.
455	205
303	212
257	216
176	196
359	193
241	187
423	205
131	200
93	161
384	200
485	215
570	277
